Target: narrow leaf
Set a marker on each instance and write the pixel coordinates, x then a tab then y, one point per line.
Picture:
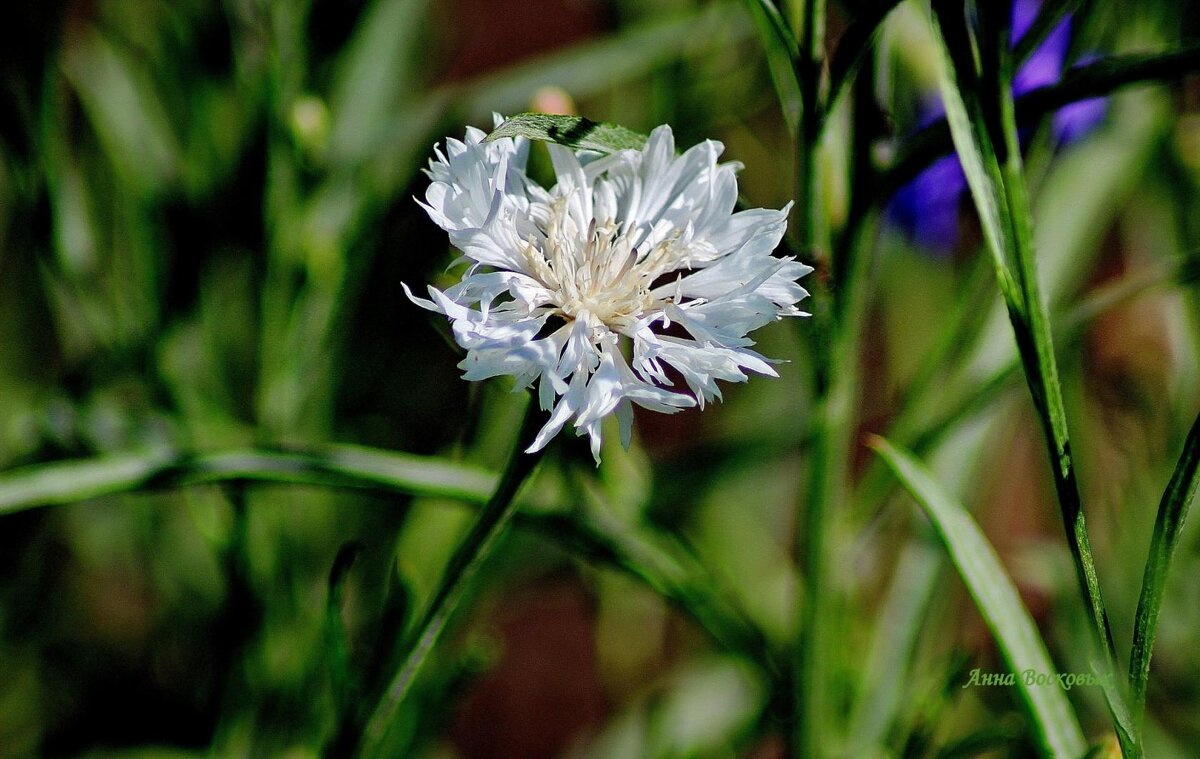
782	53
377	69
342	466
336	637
976	152
996	597
601	540
575	132
1172	511
985	135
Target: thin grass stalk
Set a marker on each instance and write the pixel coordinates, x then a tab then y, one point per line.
483	537
1172	511
983	118
810	681
1036	344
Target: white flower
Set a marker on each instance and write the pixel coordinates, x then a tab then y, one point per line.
623	247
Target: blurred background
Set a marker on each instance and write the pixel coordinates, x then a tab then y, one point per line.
206	215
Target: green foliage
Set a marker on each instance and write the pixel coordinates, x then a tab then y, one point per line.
997	600
278	510
1172	511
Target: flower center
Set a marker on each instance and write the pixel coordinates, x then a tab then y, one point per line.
599	275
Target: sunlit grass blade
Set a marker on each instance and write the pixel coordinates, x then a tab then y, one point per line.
783	53
1172	511
1017	638
338	466
575	132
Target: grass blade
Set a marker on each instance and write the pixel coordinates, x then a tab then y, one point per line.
1172	511
782	53
596	538
477	546
990	153
1058	731
348	466
976	150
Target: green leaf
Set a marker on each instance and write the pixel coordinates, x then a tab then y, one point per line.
976	151
575	132
73	481
1058	731
340	466
782	53
337	640
985	135
1172	511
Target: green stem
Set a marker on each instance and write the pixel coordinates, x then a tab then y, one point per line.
477	546
1032	327
977	88
809	66
1172	511
809	687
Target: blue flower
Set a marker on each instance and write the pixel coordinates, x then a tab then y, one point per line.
926	209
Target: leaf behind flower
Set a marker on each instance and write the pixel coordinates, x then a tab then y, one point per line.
575	132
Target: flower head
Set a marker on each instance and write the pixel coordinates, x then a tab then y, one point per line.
631	270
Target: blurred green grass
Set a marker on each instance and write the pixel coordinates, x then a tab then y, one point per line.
205	218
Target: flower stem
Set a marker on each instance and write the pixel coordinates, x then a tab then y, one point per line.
810	681
977	90
470	555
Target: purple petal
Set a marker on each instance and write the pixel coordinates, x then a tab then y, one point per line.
1045	65
926	209
1076	120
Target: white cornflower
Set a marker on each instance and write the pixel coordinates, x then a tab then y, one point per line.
623	247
